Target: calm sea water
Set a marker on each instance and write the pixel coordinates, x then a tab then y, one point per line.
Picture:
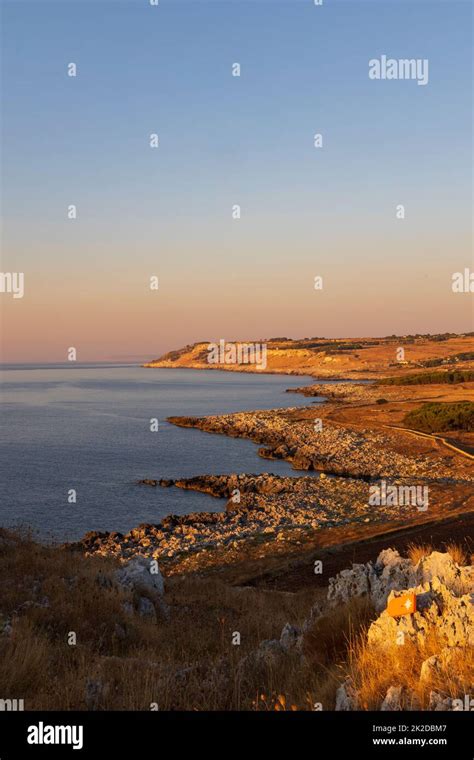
88	428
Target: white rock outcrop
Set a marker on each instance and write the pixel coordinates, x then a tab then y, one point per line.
346	697
438	610
142	576
393	699
444	611
391	572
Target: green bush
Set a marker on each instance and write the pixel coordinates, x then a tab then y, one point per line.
430	378
439	417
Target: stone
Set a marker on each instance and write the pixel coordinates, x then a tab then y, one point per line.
441	566
431	668
393	699
135	576
439	611
346	697
438	702
290	637
348	584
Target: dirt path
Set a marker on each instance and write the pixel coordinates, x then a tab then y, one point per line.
296	575
434	437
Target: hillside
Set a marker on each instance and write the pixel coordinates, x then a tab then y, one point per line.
341	357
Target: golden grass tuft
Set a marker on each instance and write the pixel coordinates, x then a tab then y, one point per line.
374	669
457	553
415	552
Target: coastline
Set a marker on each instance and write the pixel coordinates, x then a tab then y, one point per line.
290	560
278	516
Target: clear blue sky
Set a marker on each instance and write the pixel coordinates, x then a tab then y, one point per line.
226	140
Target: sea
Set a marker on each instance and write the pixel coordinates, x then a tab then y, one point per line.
90	429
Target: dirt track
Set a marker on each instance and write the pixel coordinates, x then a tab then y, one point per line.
298	574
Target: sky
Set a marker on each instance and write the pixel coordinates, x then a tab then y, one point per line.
305	211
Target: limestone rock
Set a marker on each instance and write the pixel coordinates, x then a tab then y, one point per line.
393	699
431	668
349	584
290	638
440	666
438	702
147	587
346	697
441	566
391	572
438	610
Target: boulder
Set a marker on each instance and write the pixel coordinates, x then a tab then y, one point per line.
147	587
391	572
346	697
290	638
349	584
441	566
441	666
438	611
393	699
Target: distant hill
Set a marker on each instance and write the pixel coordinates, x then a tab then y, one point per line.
335	357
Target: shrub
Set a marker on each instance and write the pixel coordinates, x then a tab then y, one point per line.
431	378
438	417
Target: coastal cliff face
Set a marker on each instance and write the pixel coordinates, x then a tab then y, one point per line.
353	358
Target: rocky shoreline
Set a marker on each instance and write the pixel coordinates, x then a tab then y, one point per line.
264	513
268	508
309	441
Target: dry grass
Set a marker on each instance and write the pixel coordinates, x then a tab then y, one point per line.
457	554
124	661
373	670
415	552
